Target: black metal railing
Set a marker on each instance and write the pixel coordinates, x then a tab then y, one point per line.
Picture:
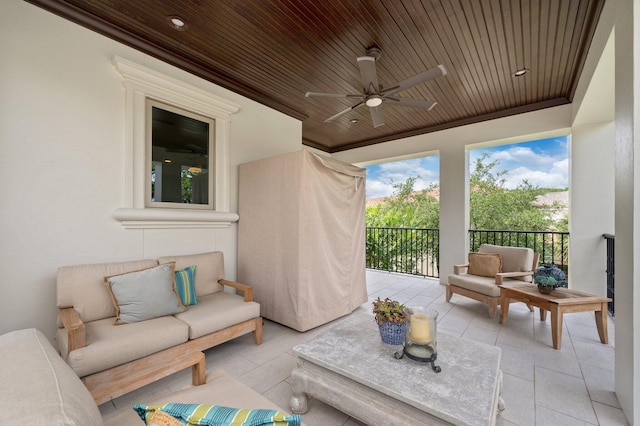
416	250
611	285
552	247
405	250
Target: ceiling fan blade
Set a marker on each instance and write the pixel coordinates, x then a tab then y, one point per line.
341	113
368	74
435	72
333	95
413	103
376	116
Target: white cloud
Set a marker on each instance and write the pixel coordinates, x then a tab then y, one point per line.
542	165
379	184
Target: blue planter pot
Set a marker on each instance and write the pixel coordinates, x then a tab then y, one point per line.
392	334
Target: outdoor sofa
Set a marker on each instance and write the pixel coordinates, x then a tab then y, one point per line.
105	333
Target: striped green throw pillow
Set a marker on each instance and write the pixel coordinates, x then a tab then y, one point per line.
217	415
186	285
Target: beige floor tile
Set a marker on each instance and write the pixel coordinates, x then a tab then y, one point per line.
563	393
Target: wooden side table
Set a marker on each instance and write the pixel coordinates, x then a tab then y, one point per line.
559	302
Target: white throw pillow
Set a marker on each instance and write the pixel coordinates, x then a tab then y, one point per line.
145	294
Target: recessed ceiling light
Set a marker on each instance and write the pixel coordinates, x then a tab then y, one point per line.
520	72
354	121
177	23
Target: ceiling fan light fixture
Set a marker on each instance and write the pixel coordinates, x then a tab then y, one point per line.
373	101
520	72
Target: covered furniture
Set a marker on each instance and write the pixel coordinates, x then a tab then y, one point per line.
39	388
113	359
490	267
301	237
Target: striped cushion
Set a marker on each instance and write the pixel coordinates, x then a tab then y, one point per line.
216	415
186	285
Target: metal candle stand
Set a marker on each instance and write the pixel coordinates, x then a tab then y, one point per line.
427	348
420	337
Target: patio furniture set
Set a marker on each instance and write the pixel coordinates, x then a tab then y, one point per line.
505	274
347	366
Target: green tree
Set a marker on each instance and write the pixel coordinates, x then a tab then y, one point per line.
407	208
492	206
411	248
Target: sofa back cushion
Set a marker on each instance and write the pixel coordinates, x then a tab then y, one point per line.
514	259
39	388
82	287
210	269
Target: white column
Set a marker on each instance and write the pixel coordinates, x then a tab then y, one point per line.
591	205
454	208
627	213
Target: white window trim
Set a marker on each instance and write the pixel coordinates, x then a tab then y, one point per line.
141	83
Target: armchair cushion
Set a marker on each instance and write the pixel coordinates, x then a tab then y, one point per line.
514	259
476	283
485	264
143	295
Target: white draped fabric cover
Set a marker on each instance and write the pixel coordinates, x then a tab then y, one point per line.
301	237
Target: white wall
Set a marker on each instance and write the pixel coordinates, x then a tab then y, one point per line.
62	112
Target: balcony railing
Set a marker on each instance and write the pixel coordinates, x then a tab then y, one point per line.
552	247
416	250
611	286
405	250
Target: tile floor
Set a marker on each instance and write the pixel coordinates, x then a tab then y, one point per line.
542	386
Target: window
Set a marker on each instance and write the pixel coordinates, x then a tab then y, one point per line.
179	158
176	170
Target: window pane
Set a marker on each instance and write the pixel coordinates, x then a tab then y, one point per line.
181	147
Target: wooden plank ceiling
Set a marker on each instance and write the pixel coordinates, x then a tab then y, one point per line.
274	51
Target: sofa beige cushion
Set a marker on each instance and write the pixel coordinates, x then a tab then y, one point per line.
109	345
514	259
38	388
230	309
210	270
82	287
484	264
220	389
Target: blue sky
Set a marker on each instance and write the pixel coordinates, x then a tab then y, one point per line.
543	163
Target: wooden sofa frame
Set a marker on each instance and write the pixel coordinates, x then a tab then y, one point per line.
114	382
490	301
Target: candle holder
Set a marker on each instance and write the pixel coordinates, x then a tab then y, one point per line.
420	342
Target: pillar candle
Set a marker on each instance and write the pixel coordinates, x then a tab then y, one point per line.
420	329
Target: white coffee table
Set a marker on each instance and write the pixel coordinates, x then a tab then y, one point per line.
349	368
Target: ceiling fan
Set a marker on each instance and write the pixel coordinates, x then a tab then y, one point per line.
374	94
